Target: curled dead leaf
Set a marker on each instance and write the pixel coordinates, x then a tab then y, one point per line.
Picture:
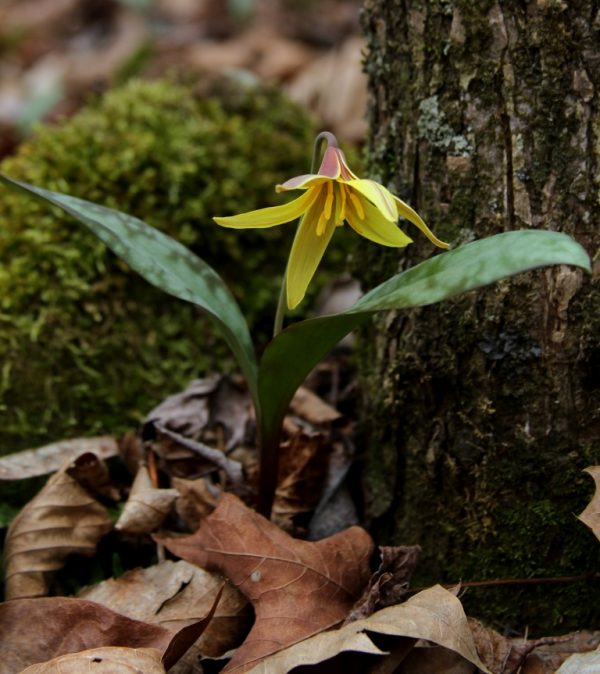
50	458
64	625
581	663
107	660
196	500
297	588
302	474
175	595
591	515
146	507
434	615
61	520
388	585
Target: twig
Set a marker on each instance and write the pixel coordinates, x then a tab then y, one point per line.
518	581
233	469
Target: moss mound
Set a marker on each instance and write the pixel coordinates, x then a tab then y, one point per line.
85	345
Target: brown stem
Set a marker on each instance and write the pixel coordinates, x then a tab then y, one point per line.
519	581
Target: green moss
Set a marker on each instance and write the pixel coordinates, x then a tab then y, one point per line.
86	346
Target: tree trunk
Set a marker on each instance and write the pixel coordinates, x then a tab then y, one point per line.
480	413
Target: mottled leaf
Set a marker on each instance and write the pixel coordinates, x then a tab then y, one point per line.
163	262
297	349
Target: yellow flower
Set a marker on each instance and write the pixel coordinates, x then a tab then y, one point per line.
331	196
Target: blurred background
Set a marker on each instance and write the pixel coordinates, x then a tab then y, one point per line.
55	53
174	111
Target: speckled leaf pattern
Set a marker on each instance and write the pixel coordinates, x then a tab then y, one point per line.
457	271
163	262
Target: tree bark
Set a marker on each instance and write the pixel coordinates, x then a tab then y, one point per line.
480	413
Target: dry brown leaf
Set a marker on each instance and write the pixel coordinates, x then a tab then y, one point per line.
581	663
302	475
591	515
61	520
174	595
548	657
107	660
297	588
146	507
50	458
334	87
91	473
312	408
435	660
388	585
434	615
196	500
36	630
213	411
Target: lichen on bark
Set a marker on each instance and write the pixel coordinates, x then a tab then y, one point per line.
480	413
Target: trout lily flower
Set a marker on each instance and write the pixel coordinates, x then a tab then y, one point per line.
331	196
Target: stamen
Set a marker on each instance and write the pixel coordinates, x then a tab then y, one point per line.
342	216
321	224
357	205
328	200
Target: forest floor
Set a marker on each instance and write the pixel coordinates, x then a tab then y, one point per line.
143	552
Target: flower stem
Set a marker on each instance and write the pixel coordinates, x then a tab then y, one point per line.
280	313
331	140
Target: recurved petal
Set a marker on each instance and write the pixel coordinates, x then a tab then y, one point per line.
373	226
269	217
378	195
405	211
301	182
307	250
330	165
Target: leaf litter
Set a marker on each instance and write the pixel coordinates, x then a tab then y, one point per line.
335	603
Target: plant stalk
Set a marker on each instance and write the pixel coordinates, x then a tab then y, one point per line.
269	439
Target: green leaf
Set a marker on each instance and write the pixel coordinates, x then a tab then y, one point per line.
294	352
164	263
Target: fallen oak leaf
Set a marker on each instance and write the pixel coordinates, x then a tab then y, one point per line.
297	588
434	615
60	520
591	515
66	625
175	595
107	660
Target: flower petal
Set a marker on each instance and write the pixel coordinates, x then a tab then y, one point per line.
269	217
330	164
405	211
345	172
373	226
378	195
301	182
307	250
